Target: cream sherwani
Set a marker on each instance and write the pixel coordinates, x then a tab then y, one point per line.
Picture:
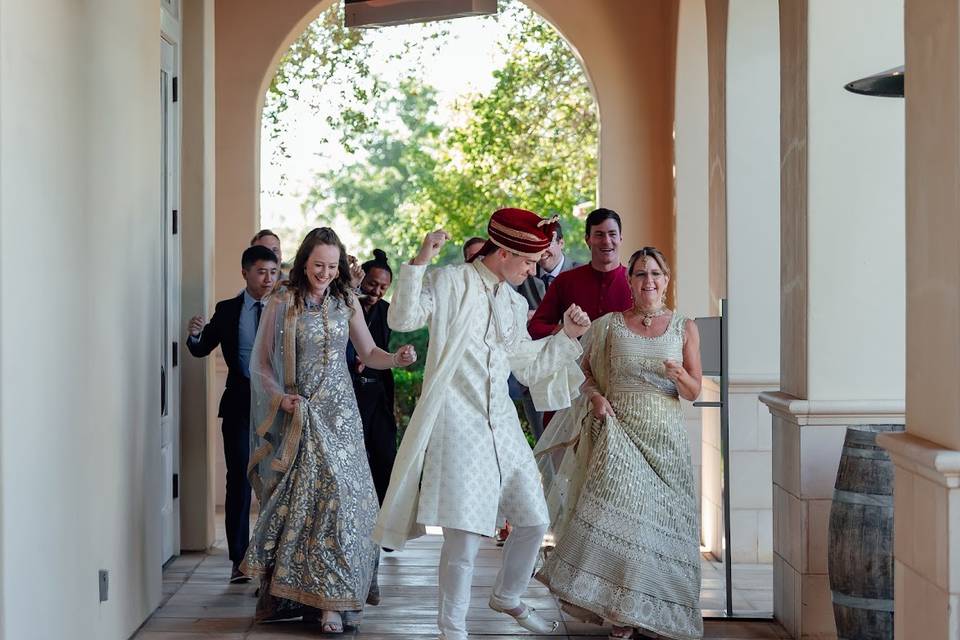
464	462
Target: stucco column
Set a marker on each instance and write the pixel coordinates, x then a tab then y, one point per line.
842	279
927	455
744	245
753	256
741	257
199	435
691	268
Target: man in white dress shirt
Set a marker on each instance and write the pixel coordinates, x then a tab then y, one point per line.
464	463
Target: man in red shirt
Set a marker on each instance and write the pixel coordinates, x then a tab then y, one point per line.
598	287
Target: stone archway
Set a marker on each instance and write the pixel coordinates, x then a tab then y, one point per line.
626	50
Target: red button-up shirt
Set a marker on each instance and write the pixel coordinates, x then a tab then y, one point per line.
596	292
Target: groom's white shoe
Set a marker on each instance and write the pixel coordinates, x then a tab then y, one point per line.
526	616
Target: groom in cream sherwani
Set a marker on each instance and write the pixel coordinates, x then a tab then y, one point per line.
464	463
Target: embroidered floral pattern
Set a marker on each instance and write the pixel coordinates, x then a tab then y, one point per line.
312	543
631	551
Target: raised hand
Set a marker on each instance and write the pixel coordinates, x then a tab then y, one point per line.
196	325
430	248
405	356
575	321
356	272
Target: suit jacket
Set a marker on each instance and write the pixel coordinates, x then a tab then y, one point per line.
533	289
223	330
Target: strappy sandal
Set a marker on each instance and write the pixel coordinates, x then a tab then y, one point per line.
331	624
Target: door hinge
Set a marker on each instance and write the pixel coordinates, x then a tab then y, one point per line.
176	93
176	354
176	217
176	486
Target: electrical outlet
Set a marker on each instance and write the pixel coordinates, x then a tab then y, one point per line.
104	579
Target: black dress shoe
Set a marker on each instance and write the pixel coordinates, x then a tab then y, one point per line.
237	576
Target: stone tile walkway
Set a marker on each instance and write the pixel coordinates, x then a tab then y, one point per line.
752	589
198	604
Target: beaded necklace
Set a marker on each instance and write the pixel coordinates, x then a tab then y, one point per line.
322	307
648	316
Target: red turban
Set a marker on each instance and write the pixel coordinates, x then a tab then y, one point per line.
520	231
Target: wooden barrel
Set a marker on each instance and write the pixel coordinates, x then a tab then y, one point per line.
861	537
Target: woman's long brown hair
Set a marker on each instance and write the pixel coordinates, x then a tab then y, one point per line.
298	283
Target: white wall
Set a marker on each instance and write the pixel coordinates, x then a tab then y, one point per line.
753	187
79	323
855	208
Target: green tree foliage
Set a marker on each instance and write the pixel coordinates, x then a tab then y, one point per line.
330	56
529	142
379	194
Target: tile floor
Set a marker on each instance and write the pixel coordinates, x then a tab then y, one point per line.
198	604
752	589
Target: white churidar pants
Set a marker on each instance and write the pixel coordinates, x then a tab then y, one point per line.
456	574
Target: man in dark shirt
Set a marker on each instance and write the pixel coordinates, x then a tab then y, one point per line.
233	328
374	388
598	287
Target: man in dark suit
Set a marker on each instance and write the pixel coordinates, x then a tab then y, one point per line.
552	263
233	328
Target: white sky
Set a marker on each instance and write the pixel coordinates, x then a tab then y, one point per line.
463	64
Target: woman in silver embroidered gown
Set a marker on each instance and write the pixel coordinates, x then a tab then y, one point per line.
623	506
311	545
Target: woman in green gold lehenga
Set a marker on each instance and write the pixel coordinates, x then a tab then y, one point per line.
311	545
623	506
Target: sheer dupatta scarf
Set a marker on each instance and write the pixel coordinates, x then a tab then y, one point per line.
274	434
563	452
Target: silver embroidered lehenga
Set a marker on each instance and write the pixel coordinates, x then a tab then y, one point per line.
311	545
623	503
